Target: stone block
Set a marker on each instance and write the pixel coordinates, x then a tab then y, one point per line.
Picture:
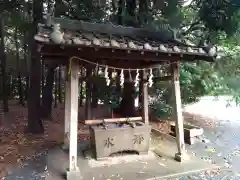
74	175
117	139
190	132
181	157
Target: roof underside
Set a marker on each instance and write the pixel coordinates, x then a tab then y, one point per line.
79	34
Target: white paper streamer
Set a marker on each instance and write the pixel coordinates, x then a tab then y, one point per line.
122	78
136	81
106	76
150	79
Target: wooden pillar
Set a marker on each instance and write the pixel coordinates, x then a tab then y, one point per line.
67	114
177	113
81	87
144	97
73	172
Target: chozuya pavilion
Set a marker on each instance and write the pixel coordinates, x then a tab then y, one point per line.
134	54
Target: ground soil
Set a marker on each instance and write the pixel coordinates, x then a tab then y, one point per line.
16	147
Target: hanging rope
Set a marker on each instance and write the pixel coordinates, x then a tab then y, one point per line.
113	67
107	67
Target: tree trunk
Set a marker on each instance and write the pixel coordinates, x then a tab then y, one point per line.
20	89
94	88
47	96
35	125
121	11
3	66
26	88
25	52
42	77
127	106
94	95
88	113
118	87
19	78
55	89
131	6
140	89
143	11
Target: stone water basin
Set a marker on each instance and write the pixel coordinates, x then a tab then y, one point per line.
115	139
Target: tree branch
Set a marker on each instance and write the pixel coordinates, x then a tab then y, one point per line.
192	26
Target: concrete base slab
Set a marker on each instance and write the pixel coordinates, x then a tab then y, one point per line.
74	175
65	147
114	160
181	157
159	166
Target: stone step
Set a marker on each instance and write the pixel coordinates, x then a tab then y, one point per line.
190	133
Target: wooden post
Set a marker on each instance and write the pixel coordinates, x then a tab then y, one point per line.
67	114
145	99
81	88
112	120
177	114
73	172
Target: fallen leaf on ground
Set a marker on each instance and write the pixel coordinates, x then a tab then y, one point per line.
16	146
213	150
161	164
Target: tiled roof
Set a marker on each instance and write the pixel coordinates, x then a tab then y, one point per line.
109	35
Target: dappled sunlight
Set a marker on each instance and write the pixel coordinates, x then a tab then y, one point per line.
220	108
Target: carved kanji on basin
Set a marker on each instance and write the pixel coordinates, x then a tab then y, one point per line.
113	140
108	142
138	139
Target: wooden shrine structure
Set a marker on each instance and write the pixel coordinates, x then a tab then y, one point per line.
73	43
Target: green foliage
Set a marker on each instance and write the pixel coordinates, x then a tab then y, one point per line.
87	10
220	15
107	94
161	100
228	66
202	21
212	21
197	79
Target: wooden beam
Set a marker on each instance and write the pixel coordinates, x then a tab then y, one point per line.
155	79
108	53
55	60
125	64
163	78
112	120
119	53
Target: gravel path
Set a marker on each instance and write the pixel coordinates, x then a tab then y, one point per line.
223	143
223	146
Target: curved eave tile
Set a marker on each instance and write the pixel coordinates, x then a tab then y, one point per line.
128	46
